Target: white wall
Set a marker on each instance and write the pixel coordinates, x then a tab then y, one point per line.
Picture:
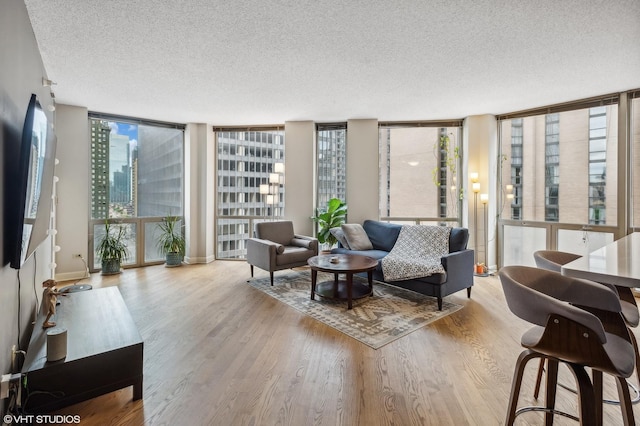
21	76
73	189
480	133
299	164
200	190
362	170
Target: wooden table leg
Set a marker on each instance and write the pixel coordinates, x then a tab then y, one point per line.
314	277
335	285
370	278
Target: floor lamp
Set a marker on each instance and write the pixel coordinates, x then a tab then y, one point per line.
475	186
484	199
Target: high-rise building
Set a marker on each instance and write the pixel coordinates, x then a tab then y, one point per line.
159	171
332	164
557	165
100	169
246	161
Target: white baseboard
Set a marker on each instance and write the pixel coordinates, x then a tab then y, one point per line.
194	260
70	276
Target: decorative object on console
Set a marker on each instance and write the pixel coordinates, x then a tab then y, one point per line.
49	301
171	241
111	249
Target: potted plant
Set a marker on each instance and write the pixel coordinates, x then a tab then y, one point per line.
112	250
334	216
171	243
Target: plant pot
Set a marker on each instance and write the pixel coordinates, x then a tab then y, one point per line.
110	266
173	260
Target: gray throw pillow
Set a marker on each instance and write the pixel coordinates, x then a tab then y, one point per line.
356	237
339	234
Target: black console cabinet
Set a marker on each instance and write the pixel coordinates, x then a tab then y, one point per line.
104	353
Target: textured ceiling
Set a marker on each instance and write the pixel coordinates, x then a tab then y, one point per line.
269	61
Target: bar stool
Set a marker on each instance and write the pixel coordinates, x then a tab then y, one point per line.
577	322
553	260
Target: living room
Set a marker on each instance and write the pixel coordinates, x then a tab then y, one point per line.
480	144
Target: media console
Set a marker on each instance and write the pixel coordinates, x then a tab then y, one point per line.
104	353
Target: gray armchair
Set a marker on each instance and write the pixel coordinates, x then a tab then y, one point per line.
276	247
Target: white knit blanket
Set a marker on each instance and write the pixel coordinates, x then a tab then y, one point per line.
416	253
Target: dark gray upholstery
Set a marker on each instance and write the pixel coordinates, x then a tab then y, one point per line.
458	264
577	322
553	260
276	247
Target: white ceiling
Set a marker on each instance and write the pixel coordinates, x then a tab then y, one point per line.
269	61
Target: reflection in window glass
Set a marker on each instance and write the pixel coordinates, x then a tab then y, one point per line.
250	183
331	163
137	170
419	172
557	165
635	161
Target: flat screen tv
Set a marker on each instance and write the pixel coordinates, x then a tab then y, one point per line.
31	187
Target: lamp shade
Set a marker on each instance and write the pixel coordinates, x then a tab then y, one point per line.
270	199
476	187
473	176
484	198
264	189
278	167
274	178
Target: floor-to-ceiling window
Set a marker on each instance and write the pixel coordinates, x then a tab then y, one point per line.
137	178
331	163
634	168
554	168
420	172
250	177
597	165
515	188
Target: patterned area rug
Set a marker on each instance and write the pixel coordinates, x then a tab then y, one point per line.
389	314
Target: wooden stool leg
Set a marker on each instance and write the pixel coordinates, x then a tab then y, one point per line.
586	398
536	390
552	381
625	401
521	363
634	341
597	394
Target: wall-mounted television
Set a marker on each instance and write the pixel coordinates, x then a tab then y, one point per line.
29	190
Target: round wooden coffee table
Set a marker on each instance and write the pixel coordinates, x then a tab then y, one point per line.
347	264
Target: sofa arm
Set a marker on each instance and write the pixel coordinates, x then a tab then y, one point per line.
306	242
262	253
459	267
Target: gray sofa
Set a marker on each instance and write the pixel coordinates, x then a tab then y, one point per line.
458	264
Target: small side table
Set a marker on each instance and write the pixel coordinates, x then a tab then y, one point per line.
337	264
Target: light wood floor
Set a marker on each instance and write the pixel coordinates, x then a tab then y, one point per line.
219	352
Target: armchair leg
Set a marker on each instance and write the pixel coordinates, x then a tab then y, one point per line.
439	303
468	292
251	271
271	275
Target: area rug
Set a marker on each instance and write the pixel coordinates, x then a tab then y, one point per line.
389	314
